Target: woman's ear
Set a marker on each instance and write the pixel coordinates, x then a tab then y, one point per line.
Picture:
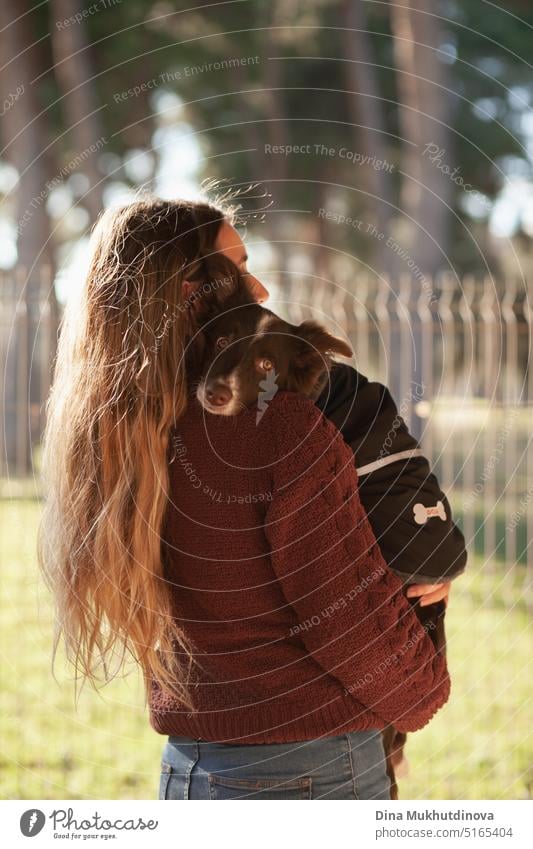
188	288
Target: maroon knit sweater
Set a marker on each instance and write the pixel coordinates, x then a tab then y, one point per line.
301	629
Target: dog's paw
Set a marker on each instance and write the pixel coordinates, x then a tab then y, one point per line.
401	769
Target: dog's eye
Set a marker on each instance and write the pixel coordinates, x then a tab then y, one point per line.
221	342
265	364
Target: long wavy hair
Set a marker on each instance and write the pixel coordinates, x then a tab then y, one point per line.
119	386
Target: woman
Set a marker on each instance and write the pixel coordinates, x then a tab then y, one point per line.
300	716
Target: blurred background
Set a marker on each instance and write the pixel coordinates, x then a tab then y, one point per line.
385	158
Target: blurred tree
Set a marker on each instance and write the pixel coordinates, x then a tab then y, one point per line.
25	131
369	126
424	116
75	74
25	137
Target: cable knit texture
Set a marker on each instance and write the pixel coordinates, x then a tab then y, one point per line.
300	628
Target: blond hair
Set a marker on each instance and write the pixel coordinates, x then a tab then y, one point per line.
119	386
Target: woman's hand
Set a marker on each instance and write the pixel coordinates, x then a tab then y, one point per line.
430	593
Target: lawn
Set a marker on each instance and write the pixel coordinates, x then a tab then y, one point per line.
479	746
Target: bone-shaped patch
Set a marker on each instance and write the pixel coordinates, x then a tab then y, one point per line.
422	514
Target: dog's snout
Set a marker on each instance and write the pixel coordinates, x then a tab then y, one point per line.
218	395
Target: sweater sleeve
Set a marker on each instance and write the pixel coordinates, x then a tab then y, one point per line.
351	613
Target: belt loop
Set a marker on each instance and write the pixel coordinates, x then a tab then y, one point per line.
190	769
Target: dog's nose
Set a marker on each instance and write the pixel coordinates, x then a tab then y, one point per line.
218	395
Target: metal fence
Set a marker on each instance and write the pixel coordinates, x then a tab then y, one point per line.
28	334
456	355
461	374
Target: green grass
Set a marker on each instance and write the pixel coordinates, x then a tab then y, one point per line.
106	748
479	745
476	747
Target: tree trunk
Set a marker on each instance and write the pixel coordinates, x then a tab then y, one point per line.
366	111
424	114
75	76
25	136
426	192
276	134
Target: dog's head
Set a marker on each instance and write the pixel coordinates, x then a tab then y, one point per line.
249	353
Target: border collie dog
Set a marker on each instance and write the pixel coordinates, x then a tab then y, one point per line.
248	352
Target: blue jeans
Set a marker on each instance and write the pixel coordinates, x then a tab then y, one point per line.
348	766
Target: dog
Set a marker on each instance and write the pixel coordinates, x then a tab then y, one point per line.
243	352
247	351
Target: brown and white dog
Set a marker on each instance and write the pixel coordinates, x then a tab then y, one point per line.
249	352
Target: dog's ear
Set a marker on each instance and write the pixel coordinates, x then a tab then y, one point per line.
318	342
311	359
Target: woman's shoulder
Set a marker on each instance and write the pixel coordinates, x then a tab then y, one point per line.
293	411
293	424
